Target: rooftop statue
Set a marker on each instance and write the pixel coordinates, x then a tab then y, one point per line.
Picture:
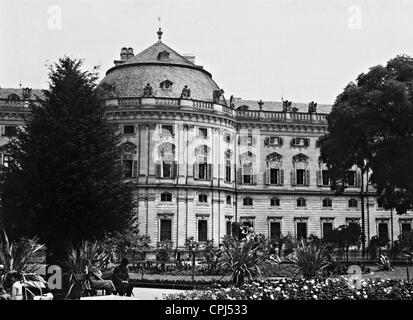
147	91
287	106
186	93
217	95
312	107
231	101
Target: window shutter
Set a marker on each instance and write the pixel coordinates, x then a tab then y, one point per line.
239	178
267	141
293	178
307	177
281	141
158	170
209	172
306	142
2	130
267	176
134	168
174	169
196	171
254	178
281	181
319	178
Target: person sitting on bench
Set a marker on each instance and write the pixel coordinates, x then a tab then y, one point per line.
121	279
98	283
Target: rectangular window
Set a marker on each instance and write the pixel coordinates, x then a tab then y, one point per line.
247	174
127	168
353	225
274	176
327	228
229	228
228	173
383	231
202	230
202	171
325	178
248	224
275	141
10	131
166	170
300	177
128	129
166	230
351	178
203	198
301	230
406	227
275	230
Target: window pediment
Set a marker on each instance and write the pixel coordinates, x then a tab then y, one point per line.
274	157
300	157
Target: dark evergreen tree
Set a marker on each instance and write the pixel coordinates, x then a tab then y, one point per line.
65	183
371	126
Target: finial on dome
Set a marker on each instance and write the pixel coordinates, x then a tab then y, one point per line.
160	33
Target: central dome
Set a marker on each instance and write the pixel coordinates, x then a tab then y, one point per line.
164	69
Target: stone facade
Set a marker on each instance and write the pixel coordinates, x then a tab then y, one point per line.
199	164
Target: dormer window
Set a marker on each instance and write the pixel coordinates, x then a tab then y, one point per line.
13	97
163	55
166	84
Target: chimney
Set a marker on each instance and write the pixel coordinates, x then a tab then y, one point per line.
124	54
190	57
130	53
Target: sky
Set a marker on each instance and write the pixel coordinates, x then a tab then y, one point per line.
300	50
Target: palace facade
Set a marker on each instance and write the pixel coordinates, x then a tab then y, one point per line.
201	161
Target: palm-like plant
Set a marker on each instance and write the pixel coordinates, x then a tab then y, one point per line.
243	257
17	255
82	257
384	263
309	258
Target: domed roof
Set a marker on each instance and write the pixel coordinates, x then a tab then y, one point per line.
165	70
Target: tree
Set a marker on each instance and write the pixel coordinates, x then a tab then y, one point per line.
370	127
65	183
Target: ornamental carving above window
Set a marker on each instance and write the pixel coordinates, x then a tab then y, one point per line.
274	157
301	157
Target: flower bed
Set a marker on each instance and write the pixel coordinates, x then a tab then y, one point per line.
299	289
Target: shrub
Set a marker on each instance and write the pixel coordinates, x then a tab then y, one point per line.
309	258
242	257
384	263
16	255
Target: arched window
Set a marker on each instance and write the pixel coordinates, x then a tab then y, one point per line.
202	169
327	203
228	200
166	197
128	164
202	197
228	155
247	201
274	202
301	202
352	203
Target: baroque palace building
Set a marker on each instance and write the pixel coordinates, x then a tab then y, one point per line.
201	161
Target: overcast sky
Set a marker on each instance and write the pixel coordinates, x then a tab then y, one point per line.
302	50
